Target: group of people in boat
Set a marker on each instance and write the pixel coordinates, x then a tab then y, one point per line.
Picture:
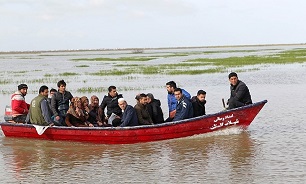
62	109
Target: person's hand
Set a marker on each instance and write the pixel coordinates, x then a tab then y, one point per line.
172	114
90	125
57	118
100	123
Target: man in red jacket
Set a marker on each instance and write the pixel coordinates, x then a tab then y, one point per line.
19	106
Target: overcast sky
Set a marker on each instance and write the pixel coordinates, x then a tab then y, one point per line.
96	24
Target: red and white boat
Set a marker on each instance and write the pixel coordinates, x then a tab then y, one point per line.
239	117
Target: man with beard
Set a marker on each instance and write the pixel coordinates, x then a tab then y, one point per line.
142	111
240	94
171	85
19	106
129	116
40	112
198	103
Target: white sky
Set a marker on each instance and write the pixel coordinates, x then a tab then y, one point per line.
96	24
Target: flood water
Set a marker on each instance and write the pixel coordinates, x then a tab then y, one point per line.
271	150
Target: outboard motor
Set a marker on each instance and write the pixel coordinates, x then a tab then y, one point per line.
8	113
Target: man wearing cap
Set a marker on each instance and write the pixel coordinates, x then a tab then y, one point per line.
240	94
129	116
19	106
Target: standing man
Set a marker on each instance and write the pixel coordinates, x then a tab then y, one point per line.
142	111
171	85
19	106
198	103
111	102
129	116
40	112
184	109
60	104
240	94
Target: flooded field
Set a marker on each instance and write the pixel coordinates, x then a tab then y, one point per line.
270	151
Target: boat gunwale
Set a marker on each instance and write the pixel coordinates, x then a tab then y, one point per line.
142	126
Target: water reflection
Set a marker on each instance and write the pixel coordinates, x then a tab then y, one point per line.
174	161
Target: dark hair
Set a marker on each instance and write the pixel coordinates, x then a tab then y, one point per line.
178	89
22	86
43	88
142	95
111	88
233	74
61	82
171	84
201	92
53	90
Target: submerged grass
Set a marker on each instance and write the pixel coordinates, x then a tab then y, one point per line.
82	66
116	59
68	74
284	57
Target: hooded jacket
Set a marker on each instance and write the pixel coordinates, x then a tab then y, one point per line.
155	111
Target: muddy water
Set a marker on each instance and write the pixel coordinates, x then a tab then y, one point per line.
270	151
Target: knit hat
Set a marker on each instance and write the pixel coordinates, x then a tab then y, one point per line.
22	86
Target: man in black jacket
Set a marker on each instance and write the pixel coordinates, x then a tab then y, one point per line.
154	109
111	102
240	94
60	103
198	103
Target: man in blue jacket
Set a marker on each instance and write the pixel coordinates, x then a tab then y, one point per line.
184	109
171	85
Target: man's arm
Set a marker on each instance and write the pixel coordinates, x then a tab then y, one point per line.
53	105
45	111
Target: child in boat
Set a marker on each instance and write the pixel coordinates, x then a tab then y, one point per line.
75	114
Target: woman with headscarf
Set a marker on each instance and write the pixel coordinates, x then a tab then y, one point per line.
94	117
75	114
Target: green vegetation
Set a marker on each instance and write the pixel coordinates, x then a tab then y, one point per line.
82	66
91	89
20	71
48	75
284	57
6	81
68	74
116	59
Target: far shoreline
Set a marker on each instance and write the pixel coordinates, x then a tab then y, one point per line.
149	48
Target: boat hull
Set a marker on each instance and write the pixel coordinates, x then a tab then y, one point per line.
240	117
